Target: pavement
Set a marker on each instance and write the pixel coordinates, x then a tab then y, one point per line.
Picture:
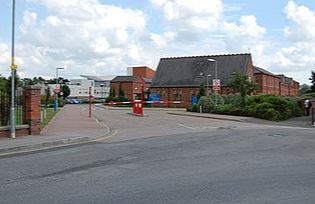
71	125
303	121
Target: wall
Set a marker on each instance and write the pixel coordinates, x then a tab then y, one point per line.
143	72
31	114
267	84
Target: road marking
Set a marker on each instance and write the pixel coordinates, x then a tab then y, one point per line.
105	138
188	127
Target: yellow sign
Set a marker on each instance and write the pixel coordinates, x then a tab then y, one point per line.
14	66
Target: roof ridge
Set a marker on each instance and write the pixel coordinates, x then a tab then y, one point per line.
201	56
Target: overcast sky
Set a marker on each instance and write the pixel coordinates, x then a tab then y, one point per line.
103	37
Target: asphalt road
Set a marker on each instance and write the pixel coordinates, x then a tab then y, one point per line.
179	160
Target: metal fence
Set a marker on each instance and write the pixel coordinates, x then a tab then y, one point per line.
5	98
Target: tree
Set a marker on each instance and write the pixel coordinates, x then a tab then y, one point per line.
312	79
112	92
121	92
304	89
201	91
48	93
65	90
241	84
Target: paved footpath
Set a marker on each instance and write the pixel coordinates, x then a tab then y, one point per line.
71	125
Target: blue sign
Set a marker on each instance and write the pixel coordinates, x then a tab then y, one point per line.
194	100
154	97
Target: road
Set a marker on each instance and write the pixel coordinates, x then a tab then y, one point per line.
169	159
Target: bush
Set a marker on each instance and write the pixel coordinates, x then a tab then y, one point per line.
310	95
234	99
193	108
229	109
219	98
206	103
266	111
272	107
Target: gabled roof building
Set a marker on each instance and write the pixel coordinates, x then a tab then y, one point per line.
179	78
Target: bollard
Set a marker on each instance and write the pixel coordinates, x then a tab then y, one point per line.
42	116
140	109
313	119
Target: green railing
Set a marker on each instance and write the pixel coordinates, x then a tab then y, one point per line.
5	99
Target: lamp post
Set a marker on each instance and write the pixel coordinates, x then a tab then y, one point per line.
208	76
13	70
57	86
215	77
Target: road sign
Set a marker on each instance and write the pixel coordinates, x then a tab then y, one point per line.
216	82
217	88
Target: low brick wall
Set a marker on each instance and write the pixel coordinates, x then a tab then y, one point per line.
31	114
21	130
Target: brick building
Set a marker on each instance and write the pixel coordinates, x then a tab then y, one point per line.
267	81
179	78
138	81
278	85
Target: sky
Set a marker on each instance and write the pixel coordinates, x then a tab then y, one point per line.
104	37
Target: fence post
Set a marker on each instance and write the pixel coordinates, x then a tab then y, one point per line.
32	109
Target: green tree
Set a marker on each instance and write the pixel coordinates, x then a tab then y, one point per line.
65	90
121	92
48	93
312	79
201	91
112	92
304	89
241	84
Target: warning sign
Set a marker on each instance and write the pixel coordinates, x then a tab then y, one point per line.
216	83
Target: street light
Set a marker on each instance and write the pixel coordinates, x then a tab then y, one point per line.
57	86
208	76
215	77
13	72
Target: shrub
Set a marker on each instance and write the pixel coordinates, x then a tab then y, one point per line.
206	103
193	108
266	111
215	96
272	107
234	99
310	95
229	109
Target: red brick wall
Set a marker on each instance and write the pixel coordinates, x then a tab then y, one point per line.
21	130
143	72
267	84
32	109
130	88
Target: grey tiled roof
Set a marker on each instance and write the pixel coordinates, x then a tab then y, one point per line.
147	80
124	79
261	70
186	71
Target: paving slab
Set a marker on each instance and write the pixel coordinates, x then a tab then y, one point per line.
71	125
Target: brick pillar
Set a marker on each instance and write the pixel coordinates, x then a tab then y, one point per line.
32	109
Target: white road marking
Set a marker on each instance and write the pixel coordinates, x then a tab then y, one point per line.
188	127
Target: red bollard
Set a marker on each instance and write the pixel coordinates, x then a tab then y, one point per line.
137	108
140	108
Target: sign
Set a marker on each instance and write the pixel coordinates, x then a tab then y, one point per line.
216	88
57	89
216	83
